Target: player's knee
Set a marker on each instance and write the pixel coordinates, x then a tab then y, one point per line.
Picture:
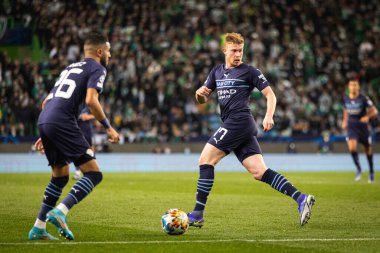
65	180
99	177
60	181
204	160
257	175
257	172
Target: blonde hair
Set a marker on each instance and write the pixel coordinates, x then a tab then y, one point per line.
235	38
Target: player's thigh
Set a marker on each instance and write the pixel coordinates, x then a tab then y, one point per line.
210	155
368	150
51	146
255	165
89	166
352	145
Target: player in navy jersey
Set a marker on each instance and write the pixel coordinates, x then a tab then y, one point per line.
233	82
357	112
85	124
62	140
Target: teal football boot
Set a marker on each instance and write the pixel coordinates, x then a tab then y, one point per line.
57	218
40	234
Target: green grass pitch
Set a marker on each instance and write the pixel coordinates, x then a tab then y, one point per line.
123	214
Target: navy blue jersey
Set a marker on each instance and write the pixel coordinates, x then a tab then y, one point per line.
356	108
234	87
69	92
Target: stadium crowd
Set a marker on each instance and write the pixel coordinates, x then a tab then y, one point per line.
162	52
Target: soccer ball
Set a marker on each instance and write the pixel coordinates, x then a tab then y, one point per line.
175	222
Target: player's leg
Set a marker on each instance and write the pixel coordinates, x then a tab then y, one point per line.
73	147
210	156
353	149
85	127
91	178
256	166
60	177
369	153
249	154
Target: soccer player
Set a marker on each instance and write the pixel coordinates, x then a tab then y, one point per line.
234	82
62	140
358	110
84	123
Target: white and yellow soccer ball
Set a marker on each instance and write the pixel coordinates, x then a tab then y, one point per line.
175	222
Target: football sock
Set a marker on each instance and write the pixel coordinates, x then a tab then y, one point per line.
355	157
205	183
82	188
370	163
51	195
280	183
40	224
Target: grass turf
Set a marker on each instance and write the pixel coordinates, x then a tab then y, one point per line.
123	214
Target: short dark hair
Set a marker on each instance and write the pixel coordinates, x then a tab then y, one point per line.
95	38
353	79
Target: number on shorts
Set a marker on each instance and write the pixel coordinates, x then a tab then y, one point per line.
220	130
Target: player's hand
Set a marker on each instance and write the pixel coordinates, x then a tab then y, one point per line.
364	119
113	135
203	91
268	123
39	146
344	125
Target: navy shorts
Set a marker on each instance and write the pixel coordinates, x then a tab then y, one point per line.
85	127
359	132
237	135
65	144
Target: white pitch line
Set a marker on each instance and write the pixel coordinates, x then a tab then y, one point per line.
190	241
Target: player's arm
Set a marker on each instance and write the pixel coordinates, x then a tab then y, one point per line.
371	113
50	96
271	107
345	119
92	101
86	116
202	94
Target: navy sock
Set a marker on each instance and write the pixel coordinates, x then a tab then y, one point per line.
205	183
355	157
370	163
82	188
280	183
51	195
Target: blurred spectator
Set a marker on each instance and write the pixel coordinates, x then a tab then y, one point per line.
163	50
